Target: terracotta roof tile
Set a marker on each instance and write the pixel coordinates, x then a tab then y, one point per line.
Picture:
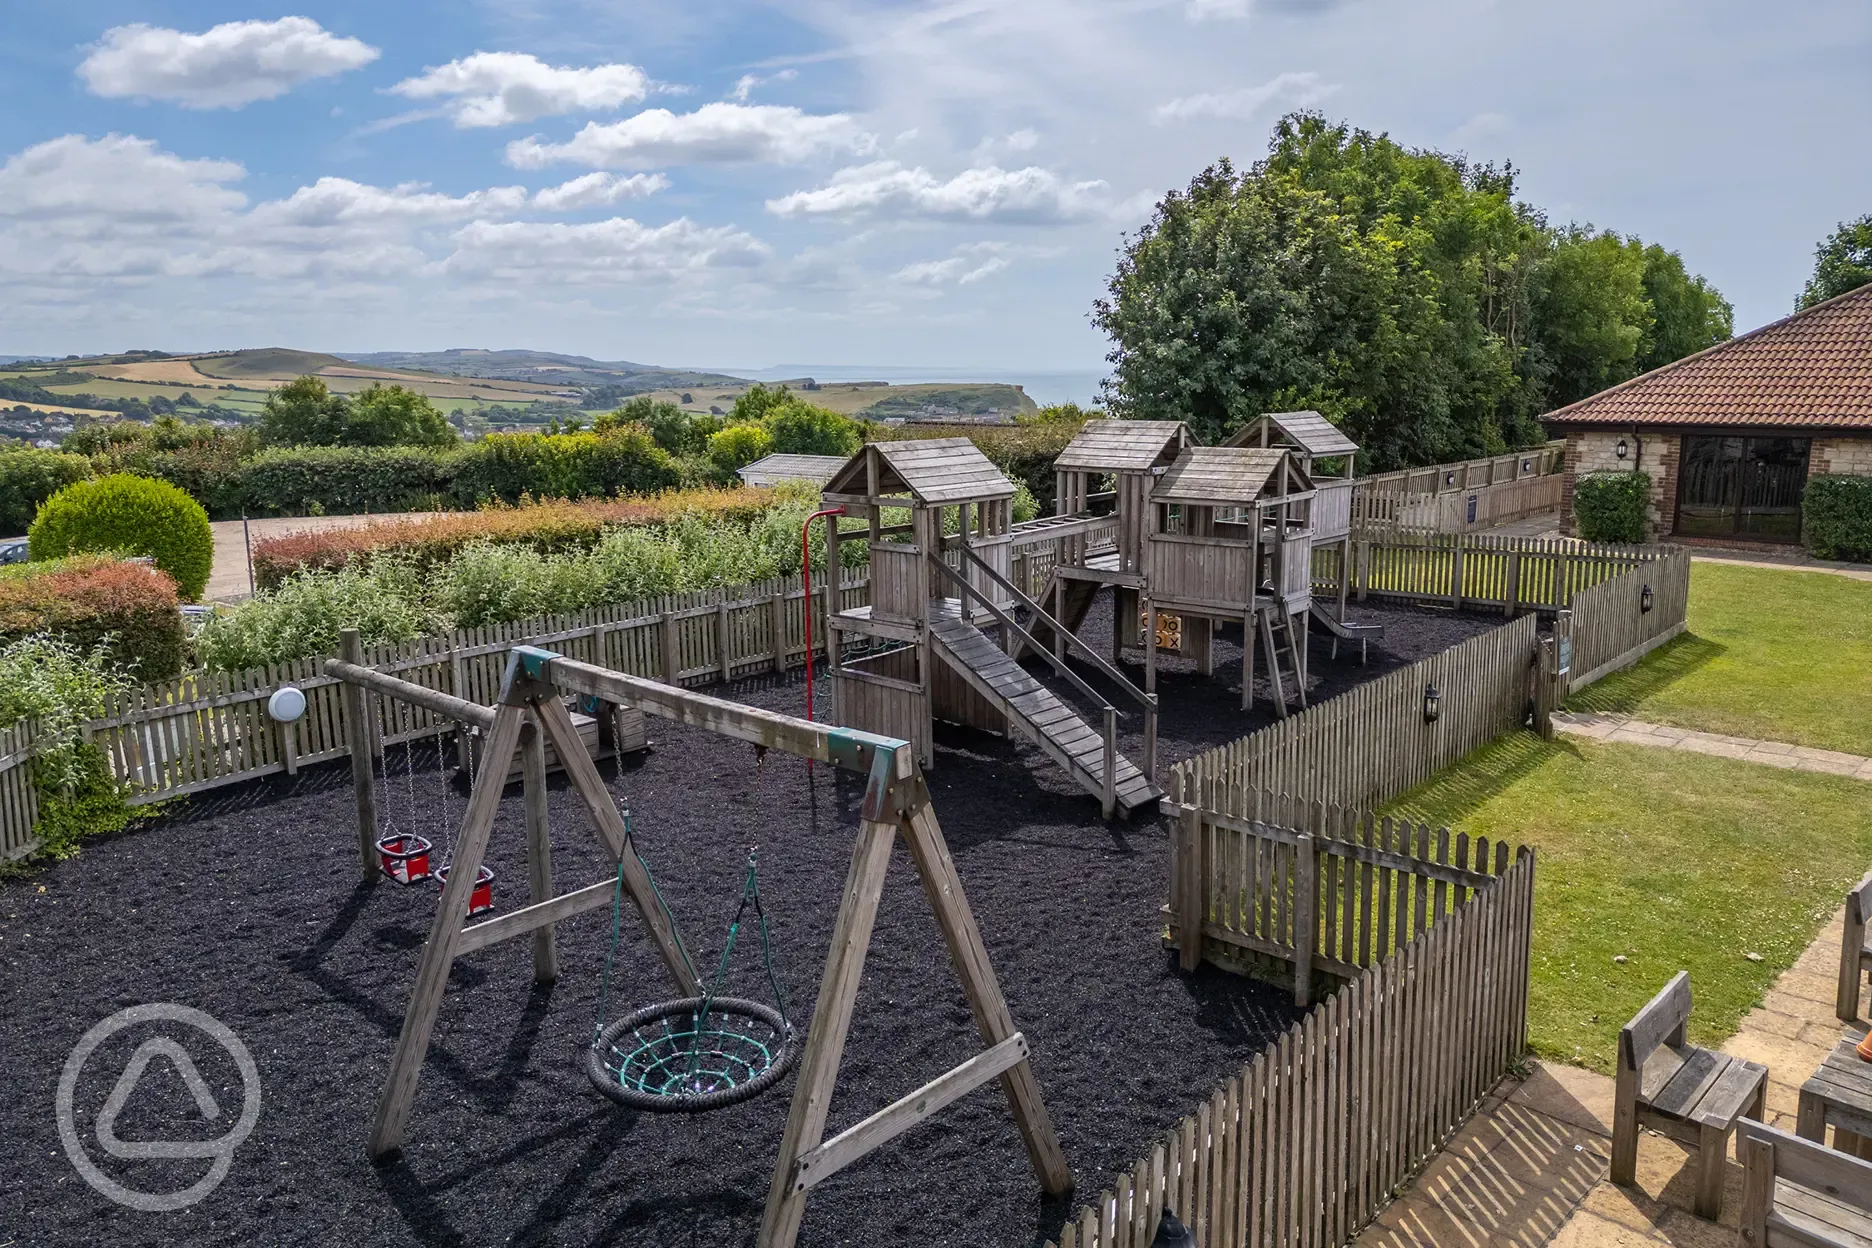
1811	370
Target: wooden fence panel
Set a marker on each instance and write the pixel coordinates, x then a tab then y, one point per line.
1306	1145
1615	623
1368	745
19	794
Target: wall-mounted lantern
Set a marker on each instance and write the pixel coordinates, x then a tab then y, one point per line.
286	705
1646	600
1449	478
1623	449
1432	704
1527	465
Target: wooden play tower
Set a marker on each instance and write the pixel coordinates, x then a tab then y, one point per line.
1132	454
1229	536
944	616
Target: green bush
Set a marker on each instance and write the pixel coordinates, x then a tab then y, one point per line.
1836	517
60	686
622	459
738	446
385	602
90	601
344	480
28	477
132	515
1610	506
799	428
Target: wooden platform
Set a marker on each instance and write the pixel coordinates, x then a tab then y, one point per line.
1057	728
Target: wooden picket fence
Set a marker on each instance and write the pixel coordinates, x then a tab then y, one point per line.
1613	625
1474	571
19	796
1373	742
1464	512
207	729
1467	475
1307	1144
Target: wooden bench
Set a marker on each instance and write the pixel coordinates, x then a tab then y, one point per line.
1855	949
1693	1095
1801	1194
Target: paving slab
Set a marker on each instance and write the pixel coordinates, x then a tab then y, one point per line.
1623	730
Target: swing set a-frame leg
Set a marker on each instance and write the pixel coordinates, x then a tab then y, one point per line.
805	1157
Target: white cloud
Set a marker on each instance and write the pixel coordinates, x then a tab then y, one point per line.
1288	90
744	85
593	189
715	133
76	211
225	66
886	188
502	88
601	251
967	266
1482	126
1204	10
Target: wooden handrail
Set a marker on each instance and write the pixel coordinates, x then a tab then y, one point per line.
1097	660
1008	621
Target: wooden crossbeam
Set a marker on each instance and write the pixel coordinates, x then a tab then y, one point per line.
843	747
899	1116
539	915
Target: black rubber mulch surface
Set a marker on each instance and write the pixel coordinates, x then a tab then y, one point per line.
245	904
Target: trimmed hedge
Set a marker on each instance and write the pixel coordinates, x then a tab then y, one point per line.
1836	517
129	515
547	527
89	601
506	467
1610	506
345	480
28	477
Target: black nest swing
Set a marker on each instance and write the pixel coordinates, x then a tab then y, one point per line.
694	1054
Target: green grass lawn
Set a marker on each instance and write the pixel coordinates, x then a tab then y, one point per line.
1785	656
1674	861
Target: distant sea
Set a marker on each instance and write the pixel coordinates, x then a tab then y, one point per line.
1042	386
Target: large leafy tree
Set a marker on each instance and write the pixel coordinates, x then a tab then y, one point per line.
1842	262
303	412
1406	294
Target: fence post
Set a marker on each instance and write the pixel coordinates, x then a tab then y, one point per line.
1150	737
1456	574
1364	571
1192	887
1563	654
724	636
1543	689
778	607
1513	596
666	644
358	740
1306	918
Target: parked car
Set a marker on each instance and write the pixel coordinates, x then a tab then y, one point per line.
12	550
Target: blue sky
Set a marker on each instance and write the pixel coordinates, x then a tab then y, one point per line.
938	185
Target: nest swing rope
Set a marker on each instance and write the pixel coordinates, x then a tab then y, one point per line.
694	1054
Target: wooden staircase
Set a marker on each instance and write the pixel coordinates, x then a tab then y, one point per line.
1035	710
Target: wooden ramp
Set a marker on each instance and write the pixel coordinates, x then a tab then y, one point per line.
1039	714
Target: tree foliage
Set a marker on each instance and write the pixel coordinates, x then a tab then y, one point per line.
303	412
1842	262
1406	294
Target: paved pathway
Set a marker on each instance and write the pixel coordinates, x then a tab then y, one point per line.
1628	731
1531	1167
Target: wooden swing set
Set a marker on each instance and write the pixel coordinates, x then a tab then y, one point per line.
530	716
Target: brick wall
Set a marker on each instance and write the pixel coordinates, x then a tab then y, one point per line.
1593	450
1843	456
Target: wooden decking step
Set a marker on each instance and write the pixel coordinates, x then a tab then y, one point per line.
1060	731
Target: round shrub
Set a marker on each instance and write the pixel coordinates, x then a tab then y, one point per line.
738	446
125	611
133	515
1610	506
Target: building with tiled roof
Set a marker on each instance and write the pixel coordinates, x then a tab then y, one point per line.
1730	436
